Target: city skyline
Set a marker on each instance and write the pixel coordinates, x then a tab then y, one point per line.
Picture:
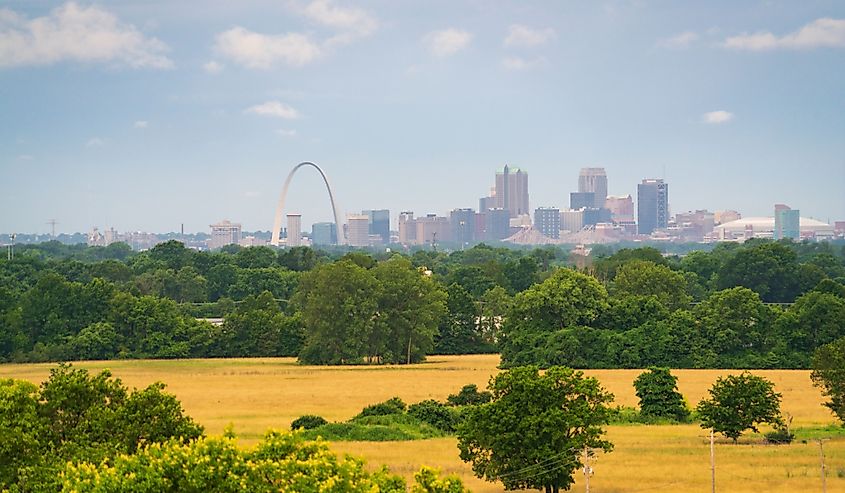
171	120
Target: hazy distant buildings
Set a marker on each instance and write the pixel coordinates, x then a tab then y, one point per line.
720	217
572	220
694	226
652	206
512	191
380	224
432	229
324	234
463	226
621	208
358	230
787	222
294	230
407	228
582	200
547	221
593	180
498	223
224	233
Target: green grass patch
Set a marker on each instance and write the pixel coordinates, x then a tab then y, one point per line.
806	433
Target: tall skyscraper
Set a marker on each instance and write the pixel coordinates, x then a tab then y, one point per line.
593	180
547	221
787	222
652	205
323	234
224	233
358	230
463	226
294	230
380	223
512	191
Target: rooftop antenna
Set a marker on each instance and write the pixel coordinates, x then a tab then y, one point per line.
52	223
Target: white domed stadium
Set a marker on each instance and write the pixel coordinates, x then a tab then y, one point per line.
764	227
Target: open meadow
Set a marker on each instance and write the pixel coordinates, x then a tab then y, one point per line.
257	394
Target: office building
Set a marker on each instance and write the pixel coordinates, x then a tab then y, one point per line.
294	230
593	180
582	200
432	229
592	216
324	234
224	233
547	221
652	206
407	228
787	222
358	230
512	191
380	224
722	217
572	220
498	224
621	208
463	226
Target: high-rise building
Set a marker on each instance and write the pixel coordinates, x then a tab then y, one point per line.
547	221
463	226
380	223
512	191
407	228
358	230
432	229
224	233
593	180
572	220
498	224
652	205
621	208
582	200
787	222
324	234
294	230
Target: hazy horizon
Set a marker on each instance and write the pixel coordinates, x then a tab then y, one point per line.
148	115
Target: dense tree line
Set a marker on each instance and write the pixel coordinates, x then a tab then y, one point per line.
759	304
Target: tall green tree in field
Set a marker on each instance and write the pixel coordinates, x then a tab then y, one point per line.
829	374
410	307
534	431
339	304
657	390
643	278
738	403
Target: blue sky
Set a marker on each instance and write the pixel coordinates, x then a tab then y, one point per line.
146	115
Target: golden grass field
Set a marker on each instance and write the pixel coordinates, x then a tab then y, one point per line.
257	394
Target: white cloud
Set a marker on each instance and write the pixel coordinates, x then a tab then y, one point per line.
519	35
213	67
717	117
821	33
25	157
679	41
262	51
274	108
141	124
284	132
75	33
351	23
447	42
95	142
519	63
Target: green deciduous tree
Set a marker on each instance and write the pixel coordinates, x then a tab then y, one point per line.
534	431
643	278
738	403
829	374
736	324
769	269
657	390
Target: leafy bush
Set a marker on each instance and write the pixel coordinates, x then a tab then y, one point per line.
394	405
469	396
439	415
307	422
385	428
780	435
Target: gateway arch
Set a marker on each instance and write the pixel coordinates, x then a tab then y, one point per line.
277	222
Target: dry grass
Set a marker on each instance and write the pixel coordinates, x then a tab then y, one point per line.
257	394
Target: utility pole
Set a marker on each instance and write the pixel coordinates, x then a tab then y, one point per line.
821	458
587	469
712	463
12	246
52	223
